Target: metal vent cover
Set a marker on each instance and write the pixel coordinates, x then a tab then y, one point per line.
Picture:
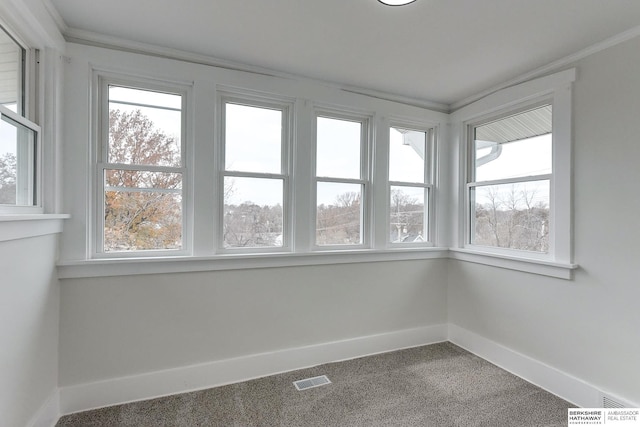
610	402
308	383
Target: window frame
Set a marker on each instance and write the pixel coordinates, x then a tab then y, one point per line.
429	184
257	100
26	116
27	71
34	178
102	81
366	121
471	183
556	90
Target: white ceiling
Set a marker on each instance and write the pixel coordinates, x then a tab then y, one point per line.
434	50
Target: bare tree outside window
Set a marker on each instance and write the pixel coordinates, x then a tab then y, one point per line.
8	179
249	224
338	223
514	216
143	209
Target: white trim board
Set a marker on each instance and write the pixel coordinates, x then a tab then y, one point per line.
90	38
14	227
83	397
48	414
115	391
544	376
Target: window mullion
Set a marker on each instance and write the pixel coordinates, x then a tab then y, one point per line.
302	182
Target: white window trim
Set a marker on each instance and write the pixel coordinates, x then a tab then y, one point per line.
22	226
35	185
28	118
366	119
557	88
469	184
430	182
28	69
528	265
255	99
98	154
161	265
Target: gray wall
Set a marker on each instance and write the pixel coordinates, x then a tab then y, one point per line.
29	303
119	326
588	327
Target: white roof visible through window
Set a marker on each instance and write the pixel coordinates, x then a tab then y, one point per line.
521	126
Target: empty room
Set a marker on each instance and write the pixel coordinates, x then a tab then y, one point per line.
319	213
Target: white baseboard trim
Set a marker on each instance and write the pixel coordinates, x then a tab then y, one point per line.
544	376
150	385
115	391
48	414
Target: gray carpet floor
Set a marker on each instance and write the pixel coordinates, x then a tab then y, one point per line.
437	385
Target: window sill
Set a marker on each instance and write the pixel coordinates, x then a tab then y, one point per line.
183	264
14	227
535	266
161	265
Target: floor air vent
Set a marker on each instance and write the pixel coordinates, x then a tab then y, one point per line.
311	382
613	402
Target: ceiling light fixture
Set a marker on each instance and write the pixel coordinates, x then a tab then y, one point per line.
396	2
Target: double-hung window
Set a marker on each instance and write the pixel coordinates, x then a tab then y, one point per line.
510	173
19	136
411	177
140	169
341	180
516	178
254	188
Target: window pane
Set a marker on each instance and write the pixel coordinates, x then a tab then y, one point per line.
11	81
515	146
17	164
339	216
253	139
145	127
407	214
142	220
338	148
514	216
138	214
253	214
406	155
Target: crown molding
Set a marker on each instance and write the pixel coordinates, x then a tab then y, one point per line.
55	15
31	23
74	35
